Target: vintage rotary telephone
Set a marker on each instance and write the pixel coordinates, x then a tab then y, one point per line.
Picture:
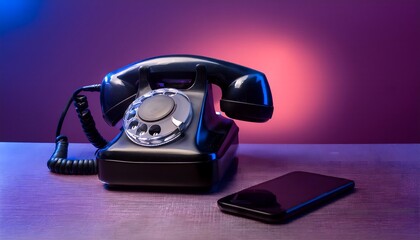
171	135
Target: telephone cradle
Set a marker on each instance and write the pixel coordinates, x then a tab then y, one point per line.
171	135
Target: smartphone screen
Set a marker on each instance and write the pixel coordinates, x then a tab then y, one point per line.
282	198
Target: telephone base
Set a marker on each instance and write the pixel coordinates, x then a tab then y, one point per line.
181	166
203	175
188	188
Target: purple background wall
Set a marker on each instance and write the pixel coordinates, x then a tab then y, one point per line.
340	71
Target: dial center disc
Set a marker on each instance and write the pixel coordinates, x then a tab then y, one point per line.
155	108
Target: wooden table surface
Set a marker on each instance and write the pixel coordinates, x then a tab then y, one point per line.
36	204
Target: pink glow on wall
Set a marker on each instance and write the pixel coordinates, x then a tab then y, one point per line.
299	73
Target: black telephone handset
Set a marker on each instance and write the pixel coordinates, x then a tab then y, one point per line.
172	136
245	92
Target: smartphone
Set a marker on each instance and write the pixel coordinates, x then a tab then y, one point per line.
283	198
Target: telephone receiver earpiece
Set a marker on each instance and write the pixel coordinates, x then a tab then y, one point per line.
246	94
248	98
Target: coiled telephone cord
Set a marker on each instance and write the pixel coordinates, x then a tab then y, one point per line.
88	124
59	163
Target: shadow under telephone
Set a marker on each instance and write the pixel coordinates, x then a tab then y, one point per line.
171	135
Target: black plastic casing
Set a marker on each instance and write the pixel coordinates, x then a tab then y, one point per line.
202	156
198	160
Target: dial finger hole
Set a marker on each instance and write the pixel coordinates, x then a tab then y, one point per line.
142	129
131	114
133	125
154	130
